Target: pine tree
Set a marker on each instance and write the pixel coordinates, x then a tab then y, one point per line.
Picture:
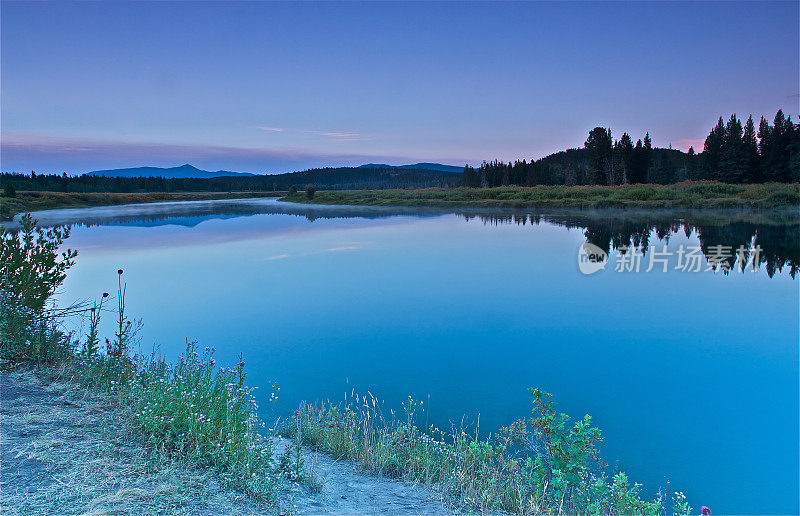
752	173
599	155
691	164
647	157
712	150
776	145
731	164
624	151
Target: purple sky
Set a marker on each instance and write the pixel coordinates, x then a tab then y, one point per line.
273	87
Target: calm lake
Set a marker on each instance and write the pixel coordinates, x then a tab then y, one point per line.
691	376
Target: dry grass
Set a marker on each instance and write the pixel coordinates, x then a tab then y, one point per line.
68	451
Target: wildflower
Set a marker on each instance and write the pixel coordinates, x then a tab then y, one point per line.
705	510
119	271
105	294
297	412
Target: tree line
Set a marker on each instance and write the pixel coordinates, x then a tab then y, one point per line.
339	178
733	153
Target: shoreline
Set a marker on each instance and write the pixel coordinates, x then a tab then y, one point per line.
192	412
33	201
693	195
44	408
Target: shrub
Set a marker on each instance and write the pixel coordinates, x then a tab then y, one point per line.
192	410
543	464
310	191
292	190
207	414
31	269
9	190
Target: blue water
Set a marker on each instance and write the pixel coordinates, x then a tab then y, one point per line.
693	377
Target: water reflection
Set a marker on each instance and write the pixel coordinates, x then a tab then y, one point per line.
469	308
774	234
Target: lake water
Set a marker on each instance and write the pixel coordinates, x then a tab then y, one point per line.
692	376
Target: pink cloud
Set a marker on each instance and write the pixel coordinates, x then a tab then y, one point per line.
684	144
47	154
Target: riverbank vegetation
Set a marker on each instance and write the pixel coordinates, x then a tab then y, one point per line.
544	464
206	416
13	201
688	195
190	410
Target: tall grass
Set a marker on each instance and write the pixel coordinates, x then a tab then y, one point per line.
206	414
544	464
690	194
191	409
26	201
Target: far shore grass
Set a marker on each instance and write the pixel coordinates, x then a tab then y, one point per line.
687	195
28	201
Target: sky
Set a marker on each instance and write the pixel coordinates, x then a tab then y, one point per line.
276	87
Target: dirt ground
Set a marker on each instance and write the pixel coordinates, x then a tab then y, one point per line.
66	451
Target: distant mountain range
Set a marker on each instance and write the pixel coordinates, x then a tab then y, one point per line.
171	172
417	166
190	171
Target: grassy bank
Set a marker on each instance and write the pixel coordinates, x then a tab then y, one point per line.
191	410
692	195
544	464
205	416
71	450
27	201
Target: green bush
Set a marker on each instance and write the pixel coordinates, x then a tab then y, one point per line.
31	269
206	414
9	190
545	464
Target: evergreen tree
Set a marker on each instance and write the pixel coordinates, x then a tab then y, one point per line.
712	150
624	151
776	145
731	164
599	155
752	173
794	154
470	177
691	164
647	157
638	170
